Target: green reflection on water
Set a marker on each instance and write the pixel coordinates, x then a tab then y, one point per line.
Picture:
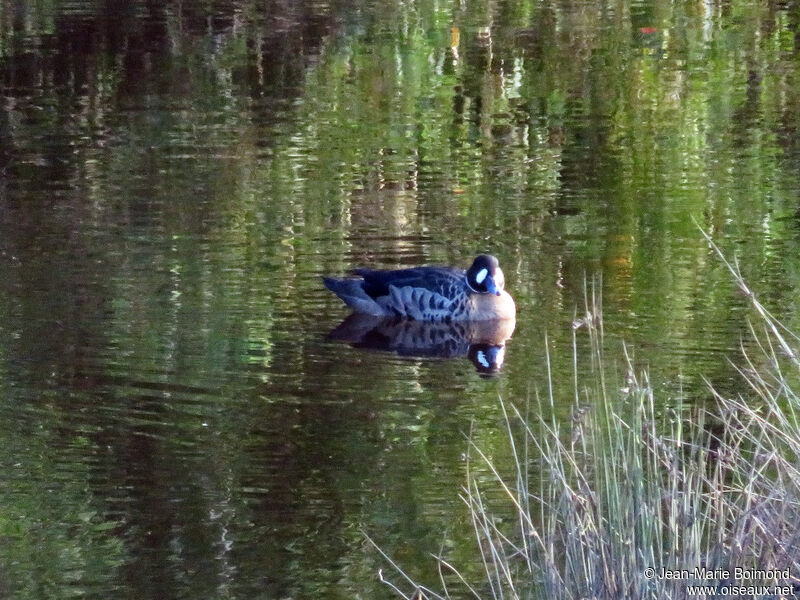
176	178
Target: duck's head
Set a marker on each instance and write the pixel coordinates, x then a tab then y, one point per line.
485	276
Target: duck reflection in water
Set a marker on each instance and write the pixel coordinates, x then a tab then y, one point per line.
483	342
429	311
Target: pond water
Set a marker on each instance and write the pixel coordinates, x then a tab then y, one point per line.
175	421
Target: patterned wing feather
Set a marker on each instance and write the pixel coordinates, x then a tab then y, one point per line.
416	303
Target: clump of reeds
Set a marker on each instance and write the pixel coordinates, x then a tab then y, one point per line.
637	503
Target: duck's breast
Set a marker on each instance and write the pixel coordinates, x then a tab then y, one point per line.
488	307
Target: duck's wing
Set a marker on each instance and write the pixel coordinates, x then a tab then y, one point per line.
442	281
351	292
422	293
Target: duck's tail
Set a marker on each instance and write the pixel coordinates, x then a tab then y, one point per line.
351	292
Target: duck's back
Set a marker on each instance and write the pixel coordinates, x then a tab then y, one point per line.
444	281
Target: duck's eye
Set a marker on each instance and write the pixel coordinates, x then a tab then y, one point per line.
481	275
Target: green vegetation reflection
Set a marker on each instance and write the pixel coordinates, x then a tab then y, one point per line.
176	176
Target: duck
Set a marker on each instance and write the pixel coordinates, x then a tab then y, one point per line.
429	293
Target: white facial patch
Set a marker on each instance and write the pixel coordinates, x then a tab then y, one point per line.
481	275
482	358
500	357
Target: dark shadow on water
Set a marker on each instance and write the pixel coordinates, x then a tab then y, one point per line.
483	342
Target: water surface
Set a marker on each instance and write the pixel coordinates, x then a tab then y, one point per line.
175	422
